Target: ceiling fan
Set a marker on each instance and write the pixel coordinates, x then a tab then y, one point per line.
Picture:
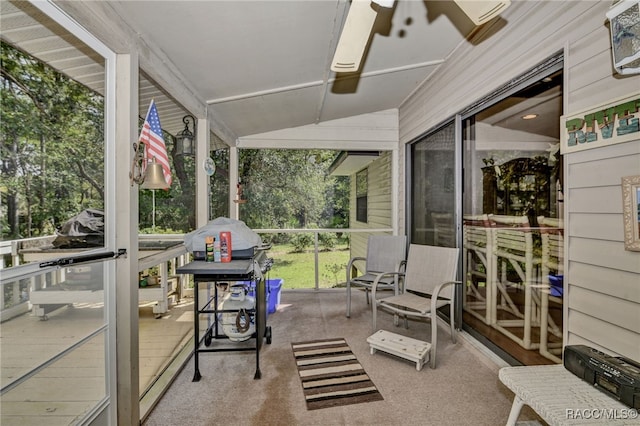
362	15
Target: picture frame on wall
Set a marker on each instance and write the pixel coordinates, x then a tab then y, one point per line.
631	212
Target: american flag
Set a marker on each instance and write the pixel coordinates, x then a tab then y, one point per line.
151	136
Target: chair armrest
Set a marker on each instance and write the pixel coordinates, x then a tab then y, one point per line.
381	275
438	289
353	260
350	265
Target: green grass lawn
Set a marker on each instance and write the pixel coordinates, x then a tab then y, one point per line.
297	269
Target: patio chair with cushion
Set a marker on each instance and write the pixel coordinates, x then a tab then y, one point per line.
384	253
428	284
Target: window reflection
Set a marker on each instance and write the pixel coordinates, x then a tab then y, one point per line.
512	226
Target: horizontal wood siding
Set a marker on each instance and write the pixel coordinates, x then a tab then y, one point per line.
378	203
603	253
602	334
596	278
609	227
603	278
602	305
605	307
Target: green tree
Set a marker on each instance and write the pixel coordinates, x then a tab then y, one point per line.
292	189
52	146
52	143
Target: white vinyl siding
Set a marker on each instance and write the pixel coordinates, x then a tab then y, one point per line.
378	200
603	308
602	305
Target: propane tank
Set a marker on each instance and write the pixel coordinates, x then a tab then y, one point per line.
239	325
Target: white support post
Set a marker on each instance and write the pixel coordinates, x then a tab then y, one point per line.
202	179
126	217
234	208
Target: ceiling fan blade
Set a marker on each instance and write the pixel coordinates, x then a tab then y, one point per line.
480	11
354	37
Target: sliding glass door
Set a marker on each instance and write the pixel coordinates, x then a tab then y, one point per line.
490	182
512	221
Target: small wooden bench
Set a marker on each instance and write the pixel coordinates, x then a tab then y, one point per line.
401	346
561	398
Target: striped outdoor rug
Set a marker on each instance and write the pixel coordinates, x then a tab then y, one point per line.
331	375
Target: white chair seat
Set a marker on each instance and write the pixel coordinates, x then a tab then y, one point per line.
410	301
368	279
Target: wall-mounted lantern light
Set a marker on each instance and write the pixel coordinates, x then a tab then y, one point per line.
185	140
624	18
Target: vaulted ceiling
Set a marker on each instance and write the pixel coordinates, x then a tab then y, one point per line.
264	65
260	65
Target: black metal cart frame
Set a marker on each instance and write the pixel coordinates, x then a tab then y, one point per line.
214	273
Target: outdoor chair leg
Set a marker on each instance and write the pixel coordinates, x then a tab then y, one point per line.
348	300
434	339
453	330
375	319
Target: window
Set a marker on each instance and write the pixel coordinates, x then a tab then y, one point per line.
361	195
56	142
433	188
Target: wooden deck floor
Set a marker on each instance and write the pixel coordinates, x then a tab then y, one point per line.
66	390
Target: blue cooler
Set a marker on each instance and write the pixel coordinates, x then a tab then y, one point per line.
556	282
273	294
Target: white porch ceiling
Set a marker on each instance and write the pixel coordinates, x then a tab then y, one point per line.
260	65
24	26
264	65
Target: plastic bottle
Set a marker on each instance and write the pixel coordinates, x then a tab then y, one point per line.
225	246
208	246
216	250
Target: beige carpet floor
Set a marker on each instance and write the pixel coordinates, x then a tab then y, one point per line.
464	389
